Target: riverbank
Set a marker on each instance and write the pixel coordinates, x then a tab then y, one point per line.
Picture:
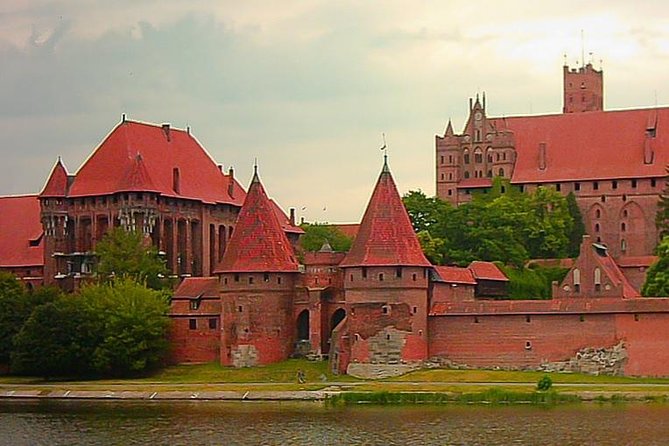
211	382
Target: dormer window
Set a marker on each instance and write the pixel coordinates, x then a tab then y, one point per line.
176	186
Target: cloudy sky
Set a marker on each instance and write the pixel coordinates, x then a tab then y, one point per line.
307	87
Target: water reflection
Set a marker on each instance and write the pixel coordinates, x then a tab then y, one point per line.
201	423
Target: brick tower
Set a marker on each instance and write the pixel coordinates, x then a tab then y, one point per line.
55	219
583	89
386	283
257	278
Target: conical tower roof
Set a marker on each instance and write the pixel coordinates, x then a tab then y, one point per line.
385	237
258	244
56	185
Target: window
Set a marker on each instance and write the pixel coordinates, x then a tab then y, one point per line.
489	174
624	197
653	182
558	187
265	277
596	227
240	309
614	184
625	213
213	323
450	176
581	318
501	172
528	319
175	180
577	280
442	177
194	304
603	198
595	185
450	159
236	277
577	186
623	226
598	279
364	272
450	192
278	280
250	280
398	273
478	157
466	157
634	184
466	174
380	277
413	277
442	159
623	245
414	310
385	309
192	324
528	345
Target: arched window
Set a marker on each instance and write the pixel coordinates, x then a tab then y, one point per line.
623	227
490	174
625	213
478	156
577	280
489	155
501	172
303	326
466	156
596	227
598	279
466	174
623	245
598	213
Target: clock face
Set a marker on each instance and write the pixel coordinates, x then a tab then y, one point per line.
478	116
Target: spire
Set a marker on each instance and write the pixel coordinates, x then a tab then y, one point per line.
255	178
385	237
258	244
449	128
56	185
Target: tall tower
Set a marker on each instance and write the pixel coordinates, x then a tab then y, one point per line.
386	284
257	279
55	221
583	89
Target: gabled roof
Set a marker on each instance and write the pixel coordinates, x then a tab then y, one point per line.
385	237
195	287
454	274
588	145
21	241
616	275
635	261
56	185
487	271
165	153
258	243
137	178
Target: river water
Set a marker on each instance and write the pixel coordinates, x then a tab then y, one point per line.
218	423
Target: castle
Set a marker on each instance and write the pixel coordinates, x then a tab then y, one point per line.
613	161
250	297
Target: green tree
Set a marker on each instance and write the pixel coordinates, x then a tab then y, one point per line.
662	215
58	339
433	247
123	253
315	234
134	326
424	212
16	305
578	227
657	276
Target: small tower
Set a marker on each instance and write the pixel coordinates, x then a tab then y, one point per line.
54	221
386	284
257	279
583	89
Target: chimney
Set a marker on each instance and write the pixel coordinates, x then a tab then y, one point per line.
292	216
123	117
188	130
166	130
231	185
302	220
220	167
542	156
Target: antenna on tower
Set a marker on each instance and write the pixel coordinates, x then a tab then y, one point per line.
384	149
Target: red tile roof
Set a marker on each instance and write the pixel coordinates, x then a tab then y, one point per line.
113	166
486	271
589	145
616	275
454	274
192	287
19	226
137	178
348	229
258	242
385	237
56	185
284	220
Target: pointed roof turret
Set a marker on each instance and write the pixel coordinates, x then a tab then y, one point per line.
56	185
385	237
258	243
449	128
137	178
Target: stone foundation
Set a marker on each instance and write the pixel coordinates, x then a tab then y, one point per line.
244	356
380	371
593	361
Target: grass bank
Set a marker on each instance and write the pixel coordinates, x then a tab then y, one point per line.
488	396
